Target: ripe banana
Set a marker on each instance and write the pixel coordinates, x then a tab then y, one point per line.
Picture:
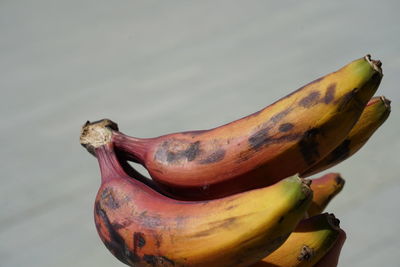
144	228
308	243
324	190
331	259
374	115
280	140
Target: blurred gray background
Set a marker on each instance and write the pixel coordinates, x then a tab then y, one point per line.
157	67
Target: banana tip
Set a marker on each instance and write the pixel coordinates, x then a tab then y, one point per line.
376	64
386	101
333	221
305	187
339	180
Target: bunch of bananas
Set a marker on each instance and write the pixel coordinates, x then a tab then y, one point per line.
232	195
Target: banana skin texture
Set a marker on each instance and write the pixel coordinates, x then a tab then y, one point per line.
283	139
331	259
144	228
324	188
309	242
374	115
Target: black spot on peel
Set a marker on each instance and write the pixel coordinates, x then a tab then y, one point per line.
340	153
285	127
310	100
330	93
117	226
281	219
279	116
316	81
138	240
108	199
261	139
116	244
154	260
309	146
306	253
190	153
174	151
214	157
344	101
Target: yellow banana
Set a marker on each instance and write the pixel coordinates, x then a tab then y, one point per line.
308	243
144	228
374	115
331	258
283	139
324	190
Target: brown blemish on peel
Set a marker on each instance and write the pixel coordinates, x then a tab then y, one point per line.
115	243
306	253
330	93
230	207
109	199
349	99
309	146
176	151
138	240
158	239
214	157
215	226
124	224
190	153
340	153
310	100
150	221
260	139
285	127
316	81
244	156
155	260
277	117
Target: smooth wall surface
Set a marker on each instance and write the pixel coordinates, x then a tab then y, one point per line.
157	67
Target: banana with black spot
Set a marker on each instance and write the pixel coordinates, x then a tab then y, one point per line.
142	227
283	139
308	243
374	115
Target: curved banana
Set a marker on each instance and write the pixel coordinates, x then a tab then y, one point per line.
283	139
331	259
324	190
144	228
374	115
308	243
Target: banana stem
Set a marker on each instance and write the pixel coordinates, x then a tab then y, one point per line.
98	133
133	148
97	138
110	167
